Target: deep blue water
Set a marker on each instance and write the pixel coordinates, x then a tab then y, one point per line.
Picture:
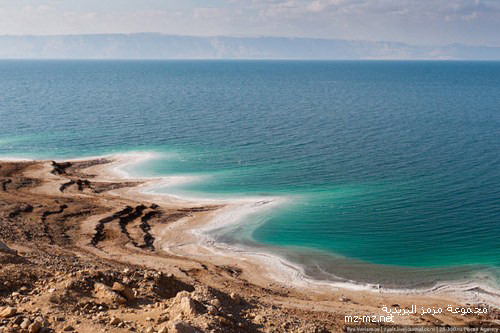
395	164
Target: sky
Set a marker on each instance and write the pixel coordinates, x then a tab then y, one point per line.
421	22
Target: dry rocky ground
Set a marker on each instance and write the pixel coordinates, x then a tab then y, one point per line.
56	277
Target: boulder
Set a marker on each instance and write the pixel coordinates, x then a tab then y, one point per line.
180	295
259	319
35	327
114	321
26	208
184	305
236	298
180	327
188	307
8	312
25	324
107	295
125	291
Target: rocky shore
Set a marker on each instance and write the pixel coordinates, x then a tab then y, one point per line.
77	255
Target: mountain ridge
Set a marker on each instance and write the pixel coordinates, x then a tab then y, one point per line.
163	46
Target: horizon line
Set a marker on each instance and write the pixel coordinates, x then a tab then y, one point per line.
252	59
247	37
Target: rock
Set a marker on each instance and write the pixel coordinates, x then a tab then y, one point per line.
163	329
5	248
259	319
114	321
236	298
35	327
344	299
26	323
187	306
212	310
125	291
215	302
42	321
8	312
68	328
107	295
150	330
27	208
183	305
18	320
180	327
180	295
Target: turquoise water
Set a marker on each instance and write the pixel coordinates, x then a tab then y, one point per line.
391	169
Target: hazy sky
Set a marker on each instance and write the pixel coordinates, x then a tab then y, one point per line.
412	21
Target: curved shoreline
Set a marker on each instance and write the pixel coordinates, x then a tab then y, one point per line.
278	268
85	210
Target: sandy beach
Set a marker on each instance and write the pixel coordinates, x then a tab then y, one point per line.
70	226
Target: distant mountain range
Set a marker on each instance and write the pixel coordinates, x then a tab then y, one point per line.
159	46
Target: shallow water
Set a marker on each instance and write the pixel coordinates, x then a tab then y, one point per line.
391	170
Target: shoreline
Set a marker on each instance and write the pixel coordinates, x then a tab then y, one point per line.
169	235
279	269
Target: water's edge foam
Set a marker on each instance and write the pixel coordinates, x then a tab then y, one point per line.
236	212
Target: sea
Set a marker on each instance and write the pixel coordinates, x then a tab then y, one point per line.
385	172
